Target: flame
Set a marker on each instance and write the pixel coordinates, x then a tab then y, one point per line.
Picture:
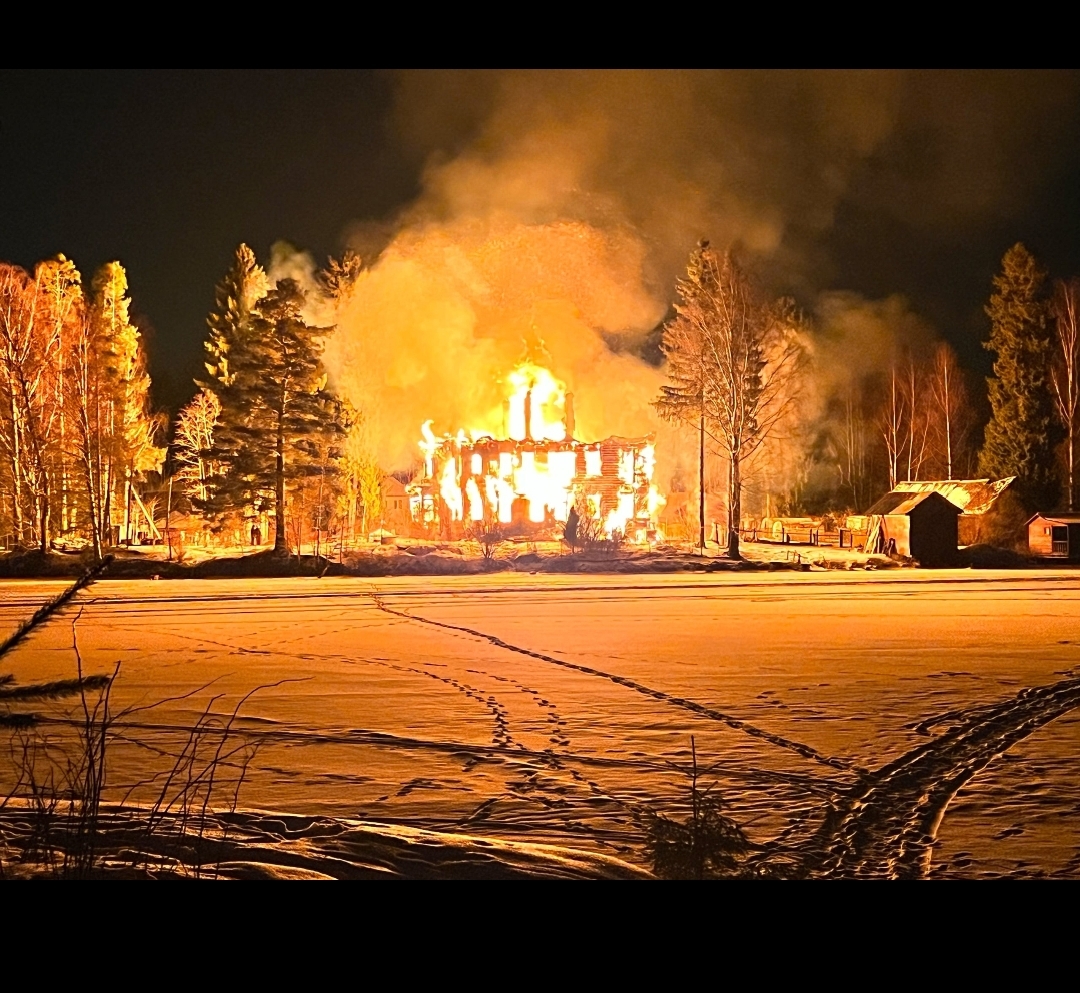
539	474
538	390
429	445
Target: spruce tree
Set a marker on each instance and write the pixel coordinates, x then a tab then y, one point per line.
230	327
242	288
1022	433
685	345
275	413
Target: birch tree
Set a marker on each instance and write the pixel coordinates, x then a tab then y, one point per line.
1065	374
894	414
63	305
949	412
125	429
33	319
194	442
741	359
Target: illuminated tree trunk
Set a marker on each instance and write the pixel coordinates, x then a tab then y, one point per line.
16	461
892	427
1066	374
281	544
86	458
734	500
701	485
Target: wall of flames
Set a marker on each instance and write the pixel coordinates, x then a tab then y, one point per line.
537	472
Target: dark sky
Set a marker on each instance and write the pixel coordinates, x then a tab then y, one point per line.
913	183
169	171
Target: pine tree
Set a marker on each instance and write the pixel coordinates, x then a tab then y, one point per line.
1022	433
275	413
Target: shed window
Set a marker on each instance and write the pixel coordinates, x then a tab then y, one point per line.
1046	530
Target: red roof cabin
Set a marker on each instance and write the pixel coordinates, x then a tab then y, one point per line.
1055	536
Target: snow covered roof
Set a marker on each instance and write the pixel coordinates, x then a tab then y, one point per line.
1068	518
902	502
972	496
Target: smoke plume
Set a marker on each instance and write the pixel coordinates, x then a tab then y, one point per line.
557	210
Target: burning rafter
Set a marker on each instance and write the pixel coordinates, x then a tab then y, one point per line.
532	479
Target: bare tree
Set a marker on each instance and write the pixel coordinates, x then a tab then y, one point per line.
194	439
34	321
73	401
893	417
949	412
905	420
853	445
742	358
1065	372
918	421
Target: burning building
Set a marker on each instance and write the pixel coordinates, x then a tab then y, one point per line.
528	481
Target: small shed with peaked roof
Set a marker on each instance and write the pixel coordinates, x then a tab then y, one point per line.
1054	536
922	526
976	498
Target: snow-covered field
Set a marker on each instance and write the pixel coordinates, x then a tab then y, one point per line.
854	723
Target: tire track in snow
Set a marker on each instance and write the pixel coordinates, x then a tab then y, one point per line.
696	708
887	824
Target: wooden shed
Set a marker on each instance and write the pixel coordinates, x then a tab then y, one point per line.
976	499
1055	536
921	526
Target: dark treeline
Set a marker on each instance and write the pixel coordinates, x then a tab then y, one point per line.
924	417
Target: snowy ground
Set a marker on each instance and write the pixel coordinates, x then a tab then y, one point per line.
855	723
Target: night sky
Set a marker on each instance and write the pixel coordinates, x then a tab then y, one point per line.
168	171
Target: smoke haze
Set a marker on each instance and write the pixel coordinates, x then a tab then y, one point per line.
559	208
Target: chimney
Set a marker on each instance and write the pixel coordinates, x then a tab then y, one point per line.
568	416
528	416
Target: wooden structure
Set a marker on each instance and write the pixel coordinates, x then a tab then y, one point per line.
527	486
922	526
395	506
677	515
974	497
1055	536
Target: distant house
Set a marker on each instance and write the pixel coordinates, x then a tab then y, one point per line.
395	506
1054	536
922	526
